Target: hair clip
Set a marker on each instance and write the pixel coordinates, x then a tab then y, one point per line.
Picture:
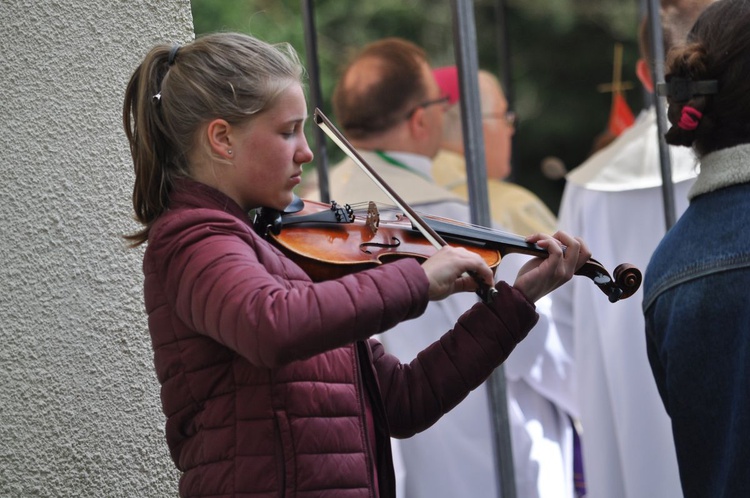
690	117
684	89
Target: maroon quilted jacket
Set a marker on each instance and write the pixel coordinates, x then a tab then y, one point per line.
265	375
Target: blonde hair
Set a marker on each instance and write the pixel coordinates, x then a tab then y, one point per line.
176	90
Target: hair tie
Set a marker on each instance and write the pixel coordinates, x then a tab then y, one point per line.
689	118
683	89
172	55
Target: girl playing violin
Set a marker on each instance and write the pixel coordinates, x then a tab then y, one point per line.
271	384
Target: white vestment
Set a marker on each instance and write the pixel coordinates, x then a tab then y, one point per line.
455	457
614	202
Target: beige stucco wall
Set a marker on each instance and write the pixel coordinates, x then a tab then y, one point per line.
79	401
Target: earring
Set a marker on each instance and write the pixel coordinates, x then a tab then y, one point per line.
229	152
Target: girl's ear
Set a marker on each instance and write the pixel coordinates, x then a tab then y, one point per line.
218	133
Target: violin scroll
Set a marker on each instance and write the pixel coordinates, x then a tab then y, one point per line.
628	278
626	282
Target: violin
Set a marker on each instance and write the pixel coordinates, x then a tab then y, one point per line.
330	241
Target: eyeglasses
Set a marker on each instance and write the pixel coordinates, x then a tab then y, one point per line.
510	117
427	103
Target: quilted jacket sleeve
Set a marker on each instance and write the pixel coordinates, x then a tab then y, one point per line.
224	281
417	394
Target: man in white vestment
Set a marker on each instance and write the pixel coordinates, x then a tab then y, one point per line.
390	107
614	202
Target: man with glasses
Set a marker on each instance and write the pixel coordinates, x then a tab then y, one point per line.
512	206
390	107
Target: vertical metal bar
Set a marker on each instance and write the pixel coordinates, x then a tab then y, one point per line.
465	45
657	72
311	49
648	99
471	122
504	51
504	63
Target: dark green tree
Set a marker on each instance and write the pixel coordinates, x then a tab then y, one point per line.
561	50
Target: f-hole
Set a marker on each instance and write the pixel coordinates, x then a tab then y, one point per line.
395	242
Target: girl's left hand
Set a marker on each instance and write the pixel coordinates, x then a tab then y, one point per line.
540	276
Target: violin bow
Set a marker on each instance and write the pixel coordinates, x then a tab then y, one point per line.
486	292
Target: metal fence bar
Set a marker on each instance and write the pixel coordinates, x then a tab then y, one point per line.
313	71
506	76
657	73
465	44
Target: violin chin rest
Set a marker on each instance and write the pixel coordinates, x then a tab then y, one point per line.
295	206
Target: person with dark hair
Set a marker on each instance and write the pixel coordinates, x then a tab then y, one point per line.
697	316
272	385
615	200
391	108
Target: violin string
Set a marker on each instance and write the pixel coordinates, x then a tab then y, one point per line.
361	207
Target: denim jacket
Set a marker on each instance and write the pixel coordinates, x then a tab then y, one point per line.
697	313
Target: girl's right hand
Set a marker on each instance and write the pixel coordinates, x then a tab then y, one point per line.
448	272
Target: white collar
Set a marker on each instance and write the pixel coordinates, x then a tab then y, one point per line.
419	163
722	168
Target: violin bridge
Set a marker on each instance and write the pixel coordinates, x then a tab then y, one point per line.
373	217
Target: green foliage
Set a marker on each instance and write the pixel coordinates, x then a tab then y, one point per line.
561	50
